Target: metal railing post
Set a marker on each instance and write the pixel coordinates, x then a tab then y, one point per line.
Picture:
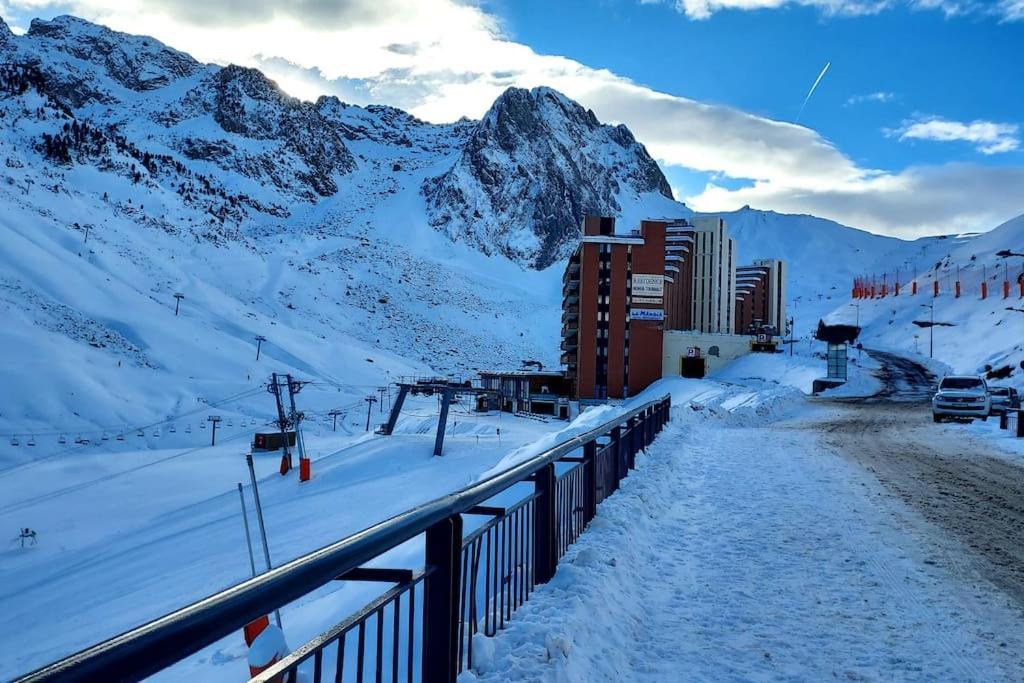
1020	424
590	474
634	433
619	458
545	555
441	609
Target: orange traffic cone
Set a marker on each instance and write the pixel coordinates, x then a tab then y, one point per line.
254	628
266	650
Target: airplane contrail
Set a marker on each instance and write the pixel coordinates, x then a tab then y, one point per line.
811	91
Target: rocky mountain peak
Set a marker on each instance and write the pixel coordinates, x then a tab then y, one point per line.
532	168
138	63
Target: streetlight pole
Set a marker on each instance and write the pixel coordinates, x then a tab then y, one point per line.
931	328
860	347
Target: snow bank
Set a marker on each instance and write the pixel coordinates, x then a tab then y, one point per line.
764	371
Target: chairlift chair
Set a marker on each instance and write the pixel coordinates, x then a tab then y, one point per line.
231	423
105	437
140	434
62	440
14	441
188	429
31	441
120	436
173	429
202	425
156	432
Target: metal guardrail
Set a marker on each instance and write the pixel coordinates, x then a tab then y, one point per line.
422	628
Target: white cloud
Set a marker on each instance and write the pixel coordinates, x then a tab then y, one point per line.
442	59
1007	10
917	201
988	137
703	9
879	97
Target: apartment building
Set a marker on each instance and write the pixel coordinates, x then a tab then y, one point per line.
623	292
713	257
613	309
761	296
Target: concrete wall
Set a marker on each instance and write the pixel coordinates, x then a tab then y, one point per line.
676	343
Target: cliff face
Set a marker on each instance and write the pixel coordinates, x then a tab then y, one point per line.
529	172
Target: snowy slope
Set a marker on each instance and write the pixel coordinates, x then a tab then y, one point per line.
321	226
974	334
823	256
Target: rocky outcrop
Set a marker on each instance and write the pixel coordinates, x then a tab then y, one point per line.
531	169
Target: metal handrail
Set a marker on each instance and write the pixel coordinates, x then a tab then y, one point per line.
167	640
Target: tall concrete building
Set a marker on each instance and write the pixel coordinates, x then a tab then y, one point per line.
761	296
624	293
713	267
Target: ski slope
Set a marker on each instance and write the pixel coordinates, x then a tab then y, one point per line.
126	538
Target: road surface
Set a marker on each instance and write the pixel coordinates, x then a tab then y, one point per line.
960	484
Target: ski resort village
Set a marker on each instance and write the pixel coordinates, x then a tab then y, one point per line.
424	342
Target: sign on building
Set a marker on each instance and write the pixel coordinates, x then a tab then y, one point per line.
647	314
648	285
647	300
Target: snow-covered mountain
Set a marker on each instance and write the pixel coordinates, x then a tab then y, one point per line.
972	335
133	172
360	241
539	161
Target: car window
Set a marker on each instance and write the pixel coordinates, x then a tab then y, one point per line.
961	383
1000	391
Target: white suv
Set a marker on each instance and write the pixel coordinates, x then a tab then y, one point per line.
963	396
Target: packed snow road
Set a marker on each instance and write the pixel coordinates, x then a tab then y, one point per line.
961	484
801	549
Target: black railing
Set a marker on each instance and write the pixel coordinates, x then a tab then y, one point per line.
422	628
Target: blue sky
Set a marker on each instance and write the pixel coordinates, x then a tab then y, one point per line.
915	129
924	63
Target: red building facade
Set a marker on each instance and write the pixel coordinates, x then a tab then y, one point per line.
617	300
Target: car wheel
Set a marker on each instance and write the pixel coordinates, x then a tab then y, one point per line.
936	418
985	419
